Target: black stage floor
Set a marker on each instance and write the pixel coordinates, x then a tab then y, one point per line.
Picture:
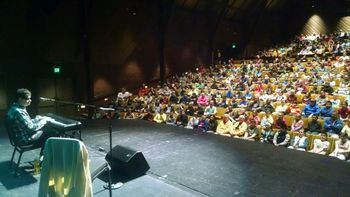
191	163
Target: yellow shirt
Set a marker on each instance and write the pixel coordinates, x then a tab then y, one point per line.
160	118
239	129
224	128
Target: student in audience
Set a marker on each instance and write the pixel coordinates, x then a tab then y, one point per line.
333	126
239	127
143	91
292	98
280	121
129	114
281	137
267	107
182	119
344	111
280	97
327	110
251	133
123	94
346	128
282	108
193	122
148	116
254	118
171	120
299	142
225	126
335	101
321	100
342	147
321	145
184	99
267	135
293	110
298	124
314	126
213	123
160	117
311	109
223	103
255	105
267	120
203	100
244	103
210	109
203	124
173	98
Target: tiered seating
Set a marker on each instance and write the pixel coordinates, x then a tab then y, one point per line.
292	73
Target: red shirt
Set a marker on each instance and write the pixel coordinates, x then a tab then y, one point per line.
344	112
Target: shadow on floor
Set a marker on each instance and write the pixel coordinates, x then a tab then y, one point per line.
9	181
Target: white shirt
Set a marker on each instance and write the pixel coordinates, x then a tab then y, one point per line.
124	95
320	146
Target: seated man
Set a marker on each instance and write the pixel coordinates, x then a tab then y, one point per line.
240	127
244	103
314	127
123	95
281	137
327	110
251	133
320	145
333	126
311	109
267	120
299	142
27	130
181	119
342	147
210	109
225	126
248	95
267	134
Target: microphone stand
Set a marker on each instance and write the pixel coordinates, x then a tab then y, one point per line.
110	186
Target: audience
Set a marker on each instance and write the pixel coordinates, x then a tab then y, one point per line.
270	90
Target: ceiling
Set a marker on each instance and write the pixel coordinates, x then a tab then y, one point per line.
240	10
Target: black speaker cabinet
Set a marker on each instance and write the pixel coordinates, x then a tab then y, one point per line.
126	162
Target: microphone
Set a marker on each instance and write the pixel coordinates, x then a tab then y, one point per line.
46	99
